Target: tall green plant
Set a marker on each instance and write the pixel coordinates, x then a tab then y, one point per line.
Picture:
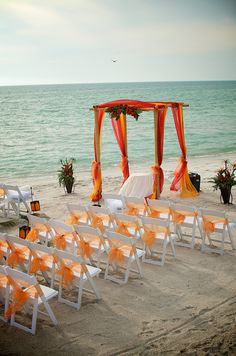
66	173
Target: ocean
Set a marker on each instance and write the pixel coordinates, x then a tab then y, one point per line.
42	124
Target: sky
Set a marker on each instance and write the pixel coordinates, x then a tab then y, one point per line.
74	41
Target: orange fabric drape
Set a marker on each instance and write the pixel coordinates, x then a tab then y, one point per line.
181	179
119	128
96	165
158	175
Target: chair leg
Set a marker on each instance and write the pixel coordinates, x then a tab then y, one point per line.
34	317
127	270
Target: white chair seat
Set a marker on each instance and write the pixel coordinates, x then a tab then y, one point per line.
48	293
12	194
93	271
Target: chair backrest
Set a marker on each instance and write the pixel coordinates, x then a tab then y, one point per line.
87	230
114	202
147	221
59	227
183	207
39	225
41	248
78	214
213	213
135	206
158	208
14	241
37	222
22	278
64	255
127	225
120	238
100	217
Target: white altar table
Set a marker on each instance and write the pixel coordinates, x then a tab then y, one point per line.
138	185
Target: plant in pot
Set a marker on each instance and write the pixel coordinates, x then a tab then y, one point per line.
66	174
224	180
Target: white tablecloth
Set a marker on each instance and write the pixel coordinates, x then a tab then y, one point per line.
138	185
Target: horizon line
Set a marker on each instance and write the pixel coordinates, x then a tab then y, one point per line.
128	82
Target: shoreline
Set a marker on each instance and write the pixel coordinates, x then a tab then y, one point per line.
195	164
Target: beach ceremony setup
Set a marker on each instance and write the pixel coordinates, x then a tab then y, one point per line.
83	256
118	178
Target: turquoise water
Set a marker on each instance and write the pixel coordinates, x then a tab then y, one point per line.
42	124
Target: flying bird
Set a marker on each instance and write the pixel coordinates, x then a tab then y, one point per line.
114	60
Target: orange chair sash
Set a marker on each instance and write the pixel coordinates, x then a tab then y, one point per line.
135	209
21	293
150	235
17	256
155	211
178	216
99	220
2	192
60	240
67	272
40	263
3	244
33	235
75	218
117	252
85	249
210	222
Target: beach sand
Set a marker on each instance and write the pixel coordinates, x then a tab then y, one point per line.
188	306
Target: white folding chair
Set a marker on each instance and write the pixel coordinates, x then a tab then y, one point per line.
78	214
4	292
215	228
27	295
73	274
19	253
42	262
122	253
135	206
64	235
158	208
101	218
185	222
157	238
16	197
114	202
40	230
91	243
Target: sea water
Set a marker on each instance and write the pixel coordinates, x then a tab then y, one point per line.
42	124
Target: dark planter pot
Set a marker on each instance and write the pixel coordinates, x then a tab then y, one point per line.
226	196
69	186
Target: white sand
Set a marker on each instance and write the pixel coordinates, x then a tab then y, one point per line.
186	306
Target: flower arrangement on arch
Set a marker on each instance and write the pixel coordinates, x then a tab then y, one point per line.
115	111
225	176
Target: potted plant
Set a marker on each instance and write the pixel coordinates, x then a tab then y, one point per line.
65	174
224	180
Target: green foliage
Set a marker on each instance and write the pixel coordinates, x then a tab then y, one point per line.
225	177
65	173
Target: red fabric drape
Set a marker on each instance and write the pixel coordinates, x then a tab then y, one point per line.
181	180
119	128
156	169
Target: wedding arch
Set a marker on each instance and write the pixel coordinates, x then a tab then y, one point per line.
118	111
